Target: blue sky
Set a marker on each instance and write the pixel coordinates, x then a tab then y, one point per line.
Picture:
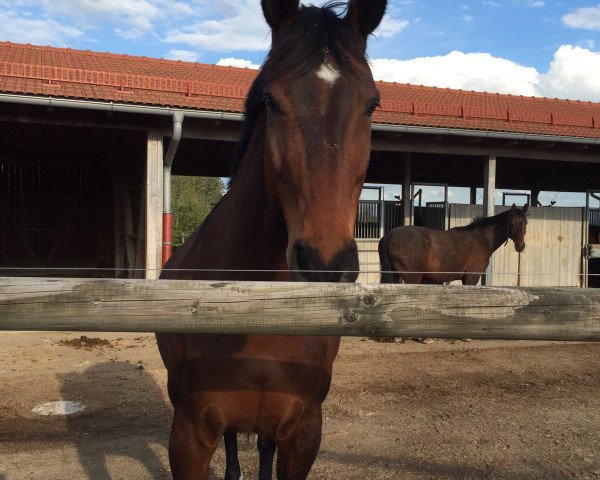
528	47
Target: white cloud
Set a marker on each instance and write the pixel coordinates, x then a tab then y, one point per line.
389	27
128	18
537	4
468	18
490	3
242	28
136	15
573	74
183	55
237	62
587	18
467	71
39	32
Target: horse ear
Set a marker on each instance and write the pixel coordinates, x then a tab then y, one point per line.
365	15
278	12
514	207
524	209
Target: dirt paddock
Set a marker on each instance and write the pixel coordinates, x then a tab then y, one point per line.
448	410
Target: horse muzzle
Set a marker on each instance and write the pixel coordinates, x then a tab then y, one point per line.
519	248
307	265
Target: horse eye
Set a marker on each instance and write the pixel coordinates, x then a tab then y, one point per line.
270	102
371	108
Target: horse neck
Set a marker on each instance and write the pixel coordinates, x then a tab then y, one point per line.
252	229
244	232
494	235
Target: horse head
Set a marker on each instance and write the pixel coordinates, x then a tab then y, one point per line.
314	97
517	226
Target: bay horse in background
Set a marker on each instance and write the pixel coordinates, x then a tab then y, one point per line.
413	254
289	214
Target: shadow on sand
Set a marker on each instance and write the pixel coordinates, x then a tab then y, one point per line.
126	416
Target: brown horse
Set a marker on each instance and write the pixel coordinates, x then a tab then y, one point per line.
423	255
289	214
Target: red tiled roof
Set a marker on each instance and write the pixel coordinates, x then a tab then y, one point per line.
67	73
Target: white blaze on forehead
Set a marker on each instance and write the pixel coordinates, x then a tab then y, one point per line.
328	73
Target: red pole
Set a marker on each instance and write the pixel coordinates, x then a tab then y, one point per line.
167	248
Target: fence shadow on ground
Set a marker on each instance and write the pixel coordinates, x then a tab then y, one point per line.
441	470
126	419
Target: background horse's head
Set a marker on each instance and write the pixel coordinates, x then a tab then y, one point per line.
517	226
312	103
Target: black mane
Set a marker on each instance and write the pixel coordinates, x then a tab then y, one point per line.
300	48
486	221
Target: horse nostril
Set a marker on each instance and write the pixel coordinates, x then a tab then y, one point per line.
307	264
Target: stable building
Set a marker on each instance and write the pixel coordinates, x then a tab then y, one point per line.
90	141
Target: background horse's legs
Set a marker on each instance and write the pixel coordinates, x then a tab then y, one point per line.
232	463
297	452
411	278
266	451
190	448
471	278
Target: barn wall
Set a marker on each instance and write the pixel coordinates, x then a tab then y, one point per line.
67	195
54	216
368	258
552	257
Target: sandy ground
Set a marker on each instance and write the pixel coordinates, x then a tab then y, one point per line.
449	410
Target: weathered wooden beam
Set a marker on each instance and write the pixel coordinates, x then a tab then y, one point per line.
407	211
299	308
153	207
489	194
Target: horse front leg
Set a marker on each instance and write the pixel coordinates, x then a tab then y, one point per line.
191	445
298	450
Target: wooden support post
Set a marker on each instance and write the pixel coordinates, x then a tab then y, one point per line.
535	198
406	190
154	203
489	192
473	196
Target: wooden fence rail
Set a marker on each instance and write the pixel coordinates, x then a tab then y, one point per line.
299	308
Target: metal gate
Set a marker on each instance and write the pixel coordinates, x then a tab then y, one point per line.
435	215
591	249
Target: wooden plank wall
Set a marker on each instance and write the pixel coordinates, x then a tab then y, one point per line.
368	258
552	257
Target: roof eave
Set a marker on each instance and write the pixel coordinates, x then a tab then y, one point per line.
463	132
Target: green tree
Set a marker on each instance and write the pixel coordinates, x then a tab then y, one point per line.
192	198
